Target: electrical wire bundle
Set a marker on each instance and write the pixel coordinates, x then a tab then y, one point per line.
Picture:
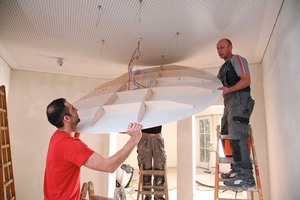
135	56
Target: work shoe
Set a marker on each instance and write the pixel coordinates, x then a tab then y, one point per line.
228	175
240	182
159	198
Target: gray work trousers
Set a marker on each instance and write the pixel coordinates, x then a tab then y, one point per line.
235	123
151	153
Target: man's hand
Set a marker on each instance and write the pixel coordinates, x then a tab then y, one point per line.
134	130
225	90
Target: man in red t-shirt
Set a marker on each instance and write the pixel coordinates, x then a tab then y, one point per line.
67	153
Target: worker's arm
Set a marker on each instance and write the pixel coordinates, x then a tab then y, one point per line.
245	81
98	162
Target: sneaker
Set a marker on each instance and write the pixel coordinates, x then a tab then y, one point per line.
240	182
229	175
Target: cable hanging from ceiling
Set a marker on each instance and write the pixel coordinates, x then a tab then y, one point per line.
140	10
98	20
134	58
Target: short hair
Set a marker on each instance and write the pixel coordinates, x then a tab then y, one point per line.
228	41
56	111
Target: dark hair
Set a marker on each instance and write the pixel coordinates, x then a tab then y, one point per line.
56	111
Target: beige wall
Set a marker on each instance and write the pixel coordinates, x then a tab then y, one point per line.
4	75
281	76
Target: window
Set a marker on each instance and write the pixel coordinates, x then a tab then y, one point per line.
205	143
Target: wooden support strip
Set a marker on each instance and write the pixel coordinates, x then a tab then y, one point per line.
143	107
100	112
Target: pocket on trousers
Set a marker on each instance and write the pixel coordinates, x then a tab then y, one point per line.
250	105
240	120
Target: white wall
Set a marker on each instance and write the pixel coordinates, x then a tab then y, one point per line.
281	75
4	75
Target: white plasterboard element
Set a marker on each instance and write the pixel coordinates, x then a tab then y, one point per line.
159	95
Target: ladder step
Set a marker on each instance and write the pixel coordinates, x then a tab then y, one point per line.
234	188
153	192
3	128
7	183
5	146
6	164
154	172
225	160
224	137
229	199
228	160
2	110
154	187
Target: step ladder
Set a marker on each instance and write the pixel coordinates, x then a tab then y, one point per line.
88	190
7	185
228	160
152	189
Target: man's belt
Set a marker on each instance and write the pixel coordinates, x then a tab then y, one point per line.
151	135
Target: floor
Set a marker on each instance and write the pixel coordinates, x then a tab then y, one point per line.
204	186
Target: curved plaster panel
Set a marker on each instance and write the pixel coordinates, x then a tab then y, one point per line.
154	96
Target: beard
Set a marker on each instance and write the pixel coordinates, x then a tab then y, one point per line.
74	123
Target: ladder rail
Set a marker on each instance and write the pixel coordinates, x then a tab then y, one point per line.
217	169
258	182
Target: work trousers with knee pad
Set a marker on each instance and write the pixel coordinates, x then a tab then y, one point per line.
235	123
151	154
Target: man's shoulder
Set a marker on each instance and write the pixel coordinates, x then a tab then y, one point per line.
237	57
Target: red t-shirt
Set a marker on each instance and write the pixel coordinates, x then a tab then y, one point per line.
66	155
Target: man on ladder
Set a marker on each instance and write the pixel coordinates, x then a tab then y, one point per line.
235	77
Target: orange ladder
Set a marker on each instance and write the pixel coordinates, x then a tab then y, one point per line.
7	183
227	160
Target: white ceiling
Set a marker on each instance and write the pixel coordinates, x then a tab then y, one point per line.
96	38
